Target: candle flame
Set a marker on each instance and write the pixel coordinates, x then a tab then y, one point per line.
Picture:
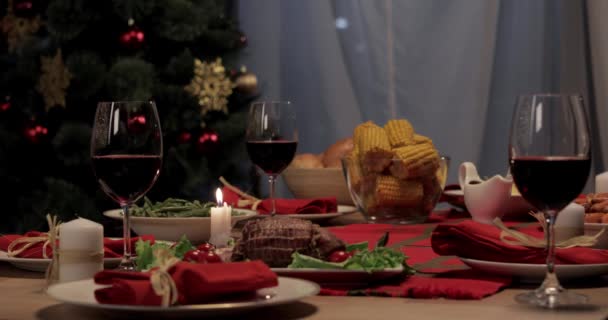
219	197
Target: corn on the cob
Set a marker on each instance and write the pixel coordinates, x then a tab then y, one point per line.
400	132
390	191
374	148
420	139
415	161
359	130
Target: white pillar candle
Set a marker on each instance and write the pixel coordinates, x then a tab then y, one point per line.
570	222
80	247
220	221
601	182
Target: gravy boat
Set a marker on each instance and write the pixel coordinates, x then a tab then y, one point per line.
484	199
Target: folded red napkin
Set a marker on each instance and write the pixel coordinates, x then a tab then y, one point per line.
444	277
287	206
470	239
196	283
113	248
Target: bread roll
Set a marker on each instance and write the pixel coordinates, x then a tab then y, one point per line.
307	160
333	155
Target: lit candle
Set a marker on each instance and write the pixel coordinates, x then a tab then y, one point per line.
220	221
80	249
601	183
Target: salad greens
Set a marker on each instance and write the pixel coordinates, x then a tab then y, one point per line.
145	251
362	258
173	207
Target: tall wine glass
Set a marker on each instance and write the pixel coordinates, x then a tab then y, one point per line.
272	138
549	157
126	152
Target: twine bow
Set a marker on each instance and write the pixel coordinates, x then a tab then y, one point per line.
514	237
32	241
249	199
162	283
52	271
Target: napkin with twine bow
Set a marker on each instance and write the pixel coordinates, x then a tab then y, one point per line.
237	198
470	239
183	283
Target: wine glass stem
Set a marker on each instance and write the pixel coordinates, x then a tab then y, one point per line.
126	233
271	181
551	281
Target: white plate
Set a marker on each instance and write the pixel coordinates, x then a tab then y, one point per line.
40	265
196	229
342	210
339	278
82	293
536	272
592	229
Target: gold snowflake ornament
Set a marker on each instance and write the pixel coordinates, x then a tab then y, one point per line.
17	29
54	81
211	86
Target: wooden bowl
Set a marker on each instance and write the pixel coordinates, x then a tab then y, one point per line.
317	183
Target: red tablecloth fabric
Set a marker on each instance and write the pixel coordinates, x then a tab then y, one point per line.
437	277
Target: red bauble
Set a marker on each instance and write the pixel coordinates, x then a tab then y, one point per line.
36	132
133	38
6	104
184	137
208	142
137	124
24	8
241	42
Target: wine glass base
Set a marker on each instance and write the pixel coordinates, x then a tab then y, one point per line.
127	264
551	299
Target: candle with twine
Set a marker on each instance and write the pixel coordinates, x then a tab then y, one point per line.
80	253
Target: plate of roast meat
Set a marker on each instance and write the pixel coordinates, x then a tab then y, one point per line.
301	249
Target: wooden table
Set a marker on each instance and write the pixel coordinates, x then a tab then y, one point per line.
22	297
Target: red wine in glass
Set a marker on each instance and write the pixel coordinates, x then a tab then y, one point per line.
272	138
538	183
549	158
125	178
272	156
126	155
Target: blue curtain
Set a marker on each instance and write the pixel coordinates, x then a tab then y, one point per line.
453	68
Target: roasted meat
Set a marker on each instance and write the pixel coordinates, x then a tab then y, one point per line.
274	239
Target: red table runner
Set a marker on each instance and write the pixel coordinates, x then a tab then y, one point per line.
437	277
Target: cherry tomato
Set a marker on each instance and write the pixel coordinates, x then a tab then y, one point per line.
338	256
209	257
192	256
206	247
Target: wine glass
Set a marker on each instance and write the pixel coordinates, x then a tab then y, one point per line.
126	152
272	138
549	157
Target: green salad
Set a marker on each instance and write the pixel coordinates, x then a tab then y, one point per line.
144	251
176	208
360	258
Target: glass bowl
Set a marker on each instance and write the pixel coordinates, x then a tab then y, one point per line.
384	198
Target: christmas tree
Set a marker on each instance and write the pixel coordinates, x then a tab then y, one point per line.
59	58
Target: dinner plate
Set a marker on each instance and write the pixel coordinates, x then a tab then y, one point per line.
536	272
339	278
82	293
342	210
40	265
